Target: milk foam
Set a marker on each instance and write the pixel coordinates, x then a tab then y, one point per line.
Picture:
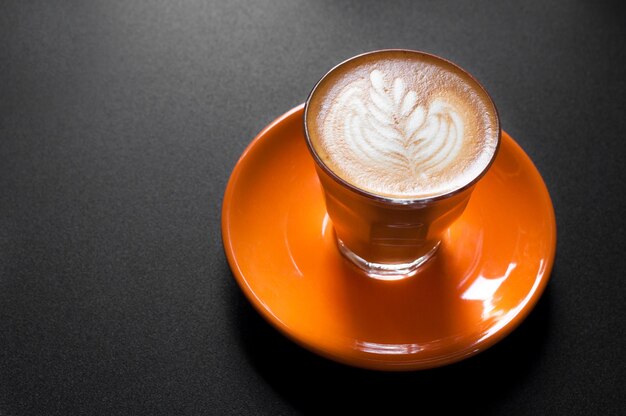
399	134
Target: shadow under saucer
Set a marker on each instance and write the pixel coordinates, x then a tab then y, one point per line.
313	385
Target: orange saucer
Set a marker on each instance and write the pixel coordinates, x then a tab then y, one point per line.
491	268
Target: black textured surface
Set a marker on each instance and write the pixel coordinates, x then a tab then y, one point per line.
119	125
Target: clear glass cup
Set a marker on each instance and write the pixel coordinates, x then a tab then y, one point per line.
388	238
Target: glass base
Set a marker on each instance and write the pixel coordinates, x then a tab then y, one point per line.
386	271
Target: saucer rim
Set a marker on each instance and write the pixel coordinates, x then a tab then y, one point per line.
505	326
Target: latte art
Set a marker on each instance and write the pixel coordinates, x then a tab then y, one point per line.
402	125
388	128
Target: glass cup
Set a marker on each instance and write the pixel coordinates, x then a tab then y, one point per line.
388	238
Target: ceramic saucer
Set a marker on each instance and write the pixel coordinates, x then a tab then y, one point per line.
491	269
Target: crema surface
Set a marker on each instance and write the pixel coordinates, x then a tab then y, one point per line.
402	124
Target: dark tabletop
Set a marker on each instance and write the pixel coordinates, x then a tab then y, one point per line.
120	123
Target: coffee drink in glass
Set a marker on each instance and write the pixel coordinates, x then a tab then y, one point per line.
400	138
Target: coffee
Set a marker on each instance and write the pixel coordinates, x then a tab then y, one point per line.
399	139
402	125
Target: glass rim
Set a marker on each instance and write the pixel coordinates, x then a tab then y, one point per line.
394	200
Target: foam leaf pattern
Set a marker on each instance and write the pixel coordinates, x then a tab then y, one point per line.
388	128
